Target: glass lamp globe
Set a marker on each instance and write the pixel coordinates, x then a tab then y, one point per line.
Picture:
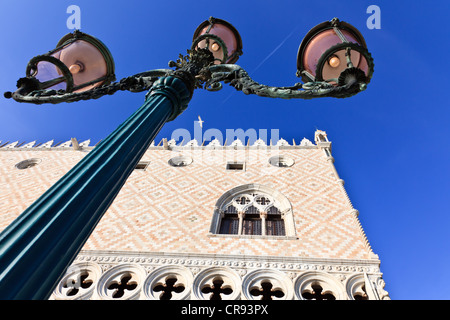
79	63
219	37
332	50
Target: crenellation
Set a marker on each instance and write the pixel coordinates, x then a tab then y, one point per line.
164	143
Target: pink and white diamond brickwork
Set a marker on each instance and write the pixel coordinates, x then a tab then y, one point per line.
166	221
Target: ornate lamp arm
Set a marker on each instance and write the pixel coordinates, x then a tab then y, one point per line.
212	76
238	78
137	83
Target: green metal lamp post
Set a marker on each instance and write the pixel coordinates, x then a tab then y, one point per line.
37	247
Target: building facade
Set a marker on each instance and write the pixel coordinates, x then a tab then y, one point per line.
210	221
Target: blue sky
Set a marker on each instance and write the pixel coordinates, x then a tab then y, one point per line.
390	142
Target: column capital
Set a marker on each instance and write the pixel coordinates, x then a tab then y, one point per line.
176	90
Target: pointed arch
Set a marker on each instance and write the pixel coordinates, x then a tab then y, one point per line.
260	210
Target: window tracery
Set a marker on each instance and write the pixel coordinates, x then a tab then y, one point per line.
316	292
217	290
169	282
170	285
319	286
253	210
121	282
217	283
267	291
267	284
74	286
356	287
179	282
79	282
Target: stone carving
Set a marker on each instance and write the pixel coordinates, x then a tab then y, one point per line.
137	276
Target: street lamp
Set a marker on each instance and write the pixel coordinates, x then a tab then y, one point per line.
38	246
79	63
221	38
334	51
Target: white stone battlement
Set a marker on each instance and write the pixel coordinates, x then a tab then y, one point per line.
163	143
70	144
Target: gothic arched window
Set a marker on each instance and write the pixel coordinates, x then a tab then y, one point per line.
252	221
253	210
274	223
230	221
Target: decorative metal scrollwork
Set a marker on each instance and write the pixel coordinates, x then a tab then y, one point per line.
136	83
198	66
238	78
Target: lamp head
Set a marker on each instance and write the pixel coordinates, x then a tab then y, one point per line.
333	51
221	38
79	63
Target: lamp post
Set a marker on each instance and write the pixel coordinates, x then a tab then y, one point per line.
37	247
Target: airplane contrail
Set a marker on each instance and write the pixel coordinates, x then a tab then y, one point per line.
265	59
274	50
